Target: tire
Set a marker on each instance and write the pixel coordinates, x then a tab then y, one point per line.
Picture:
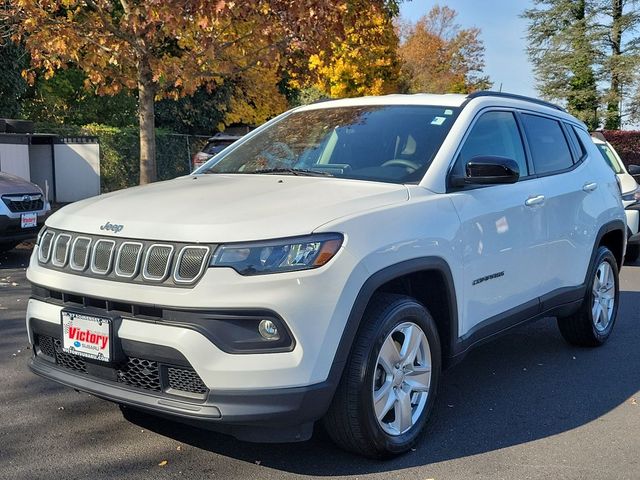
352	421
581	328
633	252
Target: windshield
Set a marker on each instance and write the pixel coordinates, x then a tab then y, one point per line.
381	143
610	158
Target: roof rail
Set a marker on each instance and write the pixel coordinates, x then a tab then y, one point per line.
489	93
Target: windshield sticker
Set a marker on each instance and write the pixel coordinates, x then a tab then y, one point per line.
448	112
438	121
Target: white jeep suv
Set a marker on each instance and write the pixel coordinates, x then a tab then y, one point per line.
330	264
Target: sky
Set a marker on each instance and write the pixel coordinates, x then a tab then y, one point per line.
502	31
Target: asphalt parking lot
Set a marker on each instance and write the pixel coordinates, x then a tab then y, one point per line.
525	406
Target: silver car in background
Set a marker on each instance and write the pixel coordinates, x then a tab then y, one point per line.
23	210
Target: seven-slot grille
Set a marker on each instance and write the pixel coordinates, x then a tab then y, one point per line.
125	260
24	203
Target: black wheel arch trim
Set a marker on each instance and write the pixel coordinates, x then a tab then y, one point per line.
608	227
373	283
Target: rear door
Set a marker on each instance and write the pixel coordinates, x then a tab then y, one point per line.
571	201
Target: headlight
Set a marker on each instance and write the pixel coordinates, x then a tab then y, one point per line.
277	256
633	196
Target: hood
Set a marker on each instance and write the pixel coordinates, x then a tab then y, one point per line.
226	208
11	185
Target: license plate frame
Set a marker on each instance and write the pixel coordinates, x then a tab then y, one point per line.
87	340
29	220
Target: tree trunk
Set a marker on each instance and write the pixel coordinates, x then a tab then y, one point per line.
615	94
146	115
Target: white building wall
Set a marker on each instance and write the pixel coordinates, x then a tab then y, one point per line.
14	159
77	171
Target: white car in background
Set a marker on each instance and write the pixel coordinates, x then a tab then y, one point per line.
630	194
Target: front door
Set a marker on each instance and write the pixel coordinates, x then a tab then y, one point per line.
504	230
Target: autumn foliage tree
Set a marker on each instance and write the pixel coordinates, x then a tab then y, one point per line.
162	49
439	56
364	60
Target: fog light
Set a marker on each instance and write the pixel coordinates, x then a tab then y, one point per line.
268	330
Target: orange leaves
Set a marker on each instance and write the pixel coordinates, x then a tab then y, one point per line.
439	57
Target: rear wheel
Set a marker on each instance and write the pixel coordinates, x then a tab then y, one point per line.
390	381
591	326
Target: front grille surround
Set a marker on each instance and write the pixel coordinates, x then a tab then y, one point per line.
137	261
179	270
121	267
79	259
46	243
157	265
61	250
99	264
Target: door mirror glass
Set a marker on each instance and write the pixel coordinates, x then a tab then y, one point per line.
488	170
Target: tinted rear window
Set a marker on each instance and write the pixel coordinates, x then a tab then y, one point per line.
548	144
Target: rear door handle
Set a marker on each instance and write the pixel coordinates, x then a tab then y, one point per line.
535	200
589	186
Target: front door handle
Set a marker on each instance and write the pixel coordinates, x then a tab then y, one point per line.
534	200
589	186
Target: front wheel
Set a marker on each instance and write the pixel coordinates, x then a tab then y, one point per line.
591	326
389	385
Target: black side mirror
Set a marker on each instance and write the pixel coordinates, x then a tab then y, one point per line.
634	169
488	170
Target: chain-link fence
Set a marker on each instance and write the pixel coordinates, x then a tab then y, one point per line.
120	152
174	152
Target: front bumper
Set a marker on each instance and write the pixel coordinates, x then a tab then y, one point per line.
248	394
314	304
279	415
141	378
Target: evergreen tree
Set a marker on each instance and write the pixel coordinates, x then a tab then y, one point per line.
562	49
620	68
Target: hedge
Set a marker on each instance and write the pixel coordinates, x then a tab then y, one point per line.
626	143
120	152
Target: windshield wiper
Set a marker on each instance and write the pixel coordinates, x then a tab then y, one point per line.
295	171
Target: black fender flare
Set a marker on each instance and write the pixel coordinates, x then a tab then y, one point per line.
375	281
604	229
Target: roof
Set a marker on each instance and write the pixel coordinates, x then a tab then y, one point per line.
441	100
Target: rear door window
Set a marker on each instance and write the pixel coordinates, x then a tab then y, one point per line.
549	147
